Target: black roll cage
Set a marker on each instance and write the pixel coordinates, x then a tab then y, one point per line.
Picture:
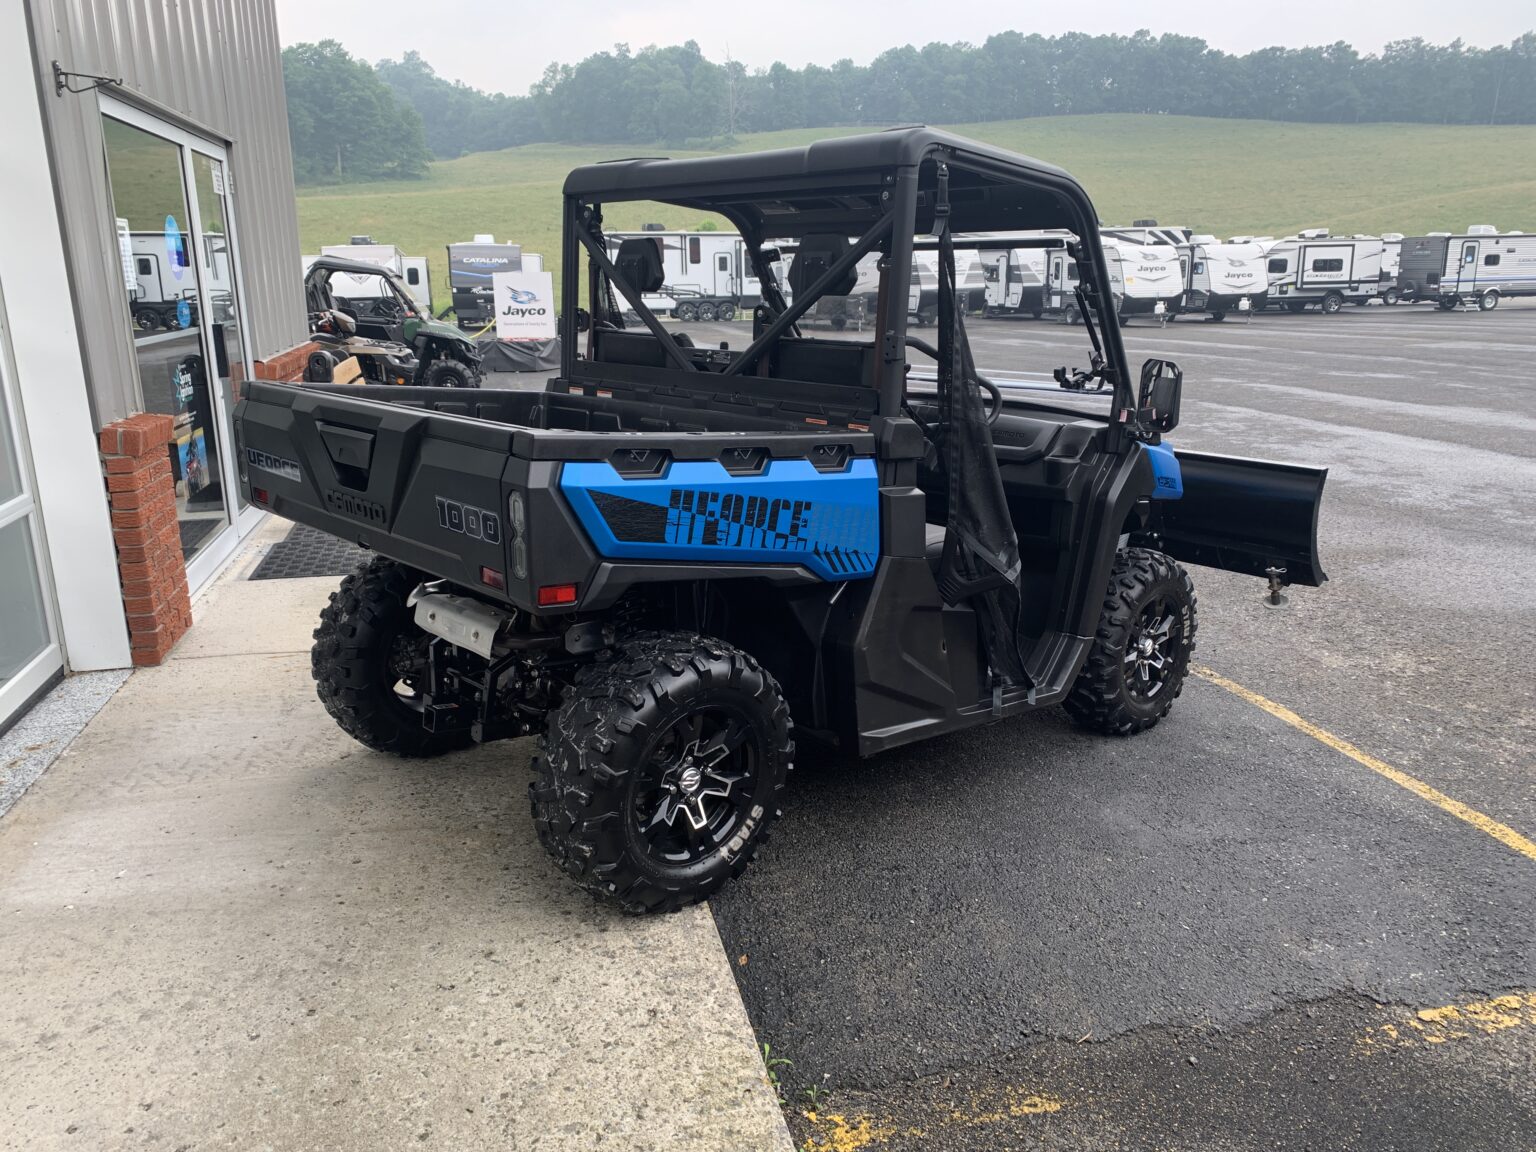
886	203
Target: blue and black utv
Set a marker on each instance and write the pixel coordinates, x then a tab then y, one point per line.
679	559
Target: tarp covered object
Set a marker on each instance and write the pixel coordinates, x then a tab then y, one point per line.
518	355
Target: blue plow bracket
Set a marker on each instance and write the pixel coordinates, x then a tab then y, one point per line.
790	513
1168	475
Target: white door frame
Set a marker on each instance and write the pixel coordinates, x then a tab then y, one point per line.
48	662
217	552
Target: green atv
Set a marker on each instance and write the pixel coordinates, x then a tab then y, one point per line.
383	310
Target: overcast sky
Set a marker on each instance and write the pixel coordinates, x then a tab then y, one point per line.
505	46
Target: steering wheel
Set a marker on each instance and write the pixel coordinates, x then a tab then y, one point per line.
388	308
992	390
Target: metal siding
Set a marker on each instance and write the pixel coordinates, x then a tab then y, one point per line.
217	66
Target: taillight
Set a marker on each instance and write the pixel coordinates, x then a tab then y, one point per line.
555	595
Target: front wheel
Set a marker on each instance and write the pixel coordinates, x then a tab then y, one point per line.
451	374
1390	297
657	778
1218	316
369	662
687	313
1488	301
1296	307
1332	303
1140	654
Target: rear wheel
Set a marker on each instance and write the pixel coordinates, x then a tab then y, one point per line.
1218	316
1488	301
706	312
146	319
1390	297
1450	303
1332	303
369	662
1296	307
1140	655
725	311
658	776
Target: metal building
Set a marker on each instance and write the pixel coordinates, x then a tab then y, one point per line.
149	259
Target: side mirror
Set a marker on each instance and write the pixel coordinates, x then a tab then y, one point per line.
1157	404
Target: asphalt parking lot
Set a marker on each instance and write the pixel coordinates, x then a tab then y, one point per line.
1242	930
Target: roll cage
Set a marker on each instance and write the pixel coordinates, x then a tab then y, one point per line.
887	193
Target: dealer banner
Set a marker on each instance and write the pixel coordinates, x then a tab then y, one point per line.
525	305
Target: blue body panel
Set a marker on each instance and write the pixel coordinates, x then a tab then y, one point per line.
1165	467
697	511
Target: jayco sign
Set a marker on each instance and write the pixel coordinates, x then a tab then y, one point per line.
525	305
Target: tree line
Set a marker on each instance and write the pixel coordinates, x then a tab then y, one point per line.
675	96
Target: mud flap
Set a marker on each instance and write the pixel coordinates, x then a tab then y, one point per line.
1246	516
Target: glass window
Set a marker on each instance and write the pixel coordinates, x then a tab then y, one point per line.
1321	265
1491	260
695	253
23	619
149	199
413	275
1279	264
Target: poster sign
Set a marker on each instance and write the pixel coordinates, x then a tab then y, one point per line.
125	255
525	305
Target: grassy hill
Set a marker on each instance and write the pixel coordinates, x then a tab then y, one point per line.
1221	176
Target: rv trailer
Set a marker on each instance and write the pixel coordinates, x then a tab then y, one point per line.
1313	267
472	265
1481	266
1145	279
164	280
1221	279
708	274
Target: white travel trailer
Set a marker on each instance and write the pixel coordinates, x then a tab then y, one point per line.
1481	266
411	269
708	274
1329	271
1015	281
1391	263
164	280
1145	279
1225	278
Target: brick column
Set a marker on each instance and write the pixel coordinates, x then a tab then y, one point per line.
288	364
137	466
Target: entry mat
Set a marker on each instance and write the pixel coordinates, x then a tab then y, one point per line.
307	551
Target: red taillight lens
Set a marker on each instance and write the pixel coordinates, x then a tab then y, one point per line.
553	595
260	495
492	578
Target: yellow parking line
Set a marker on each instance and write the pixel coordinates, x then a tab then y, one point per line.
1503	833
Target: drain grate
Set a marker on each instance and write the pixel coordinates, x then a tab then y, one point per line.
307	551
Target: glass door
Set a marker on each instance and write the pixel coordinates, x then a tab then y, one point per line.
171	207
29	652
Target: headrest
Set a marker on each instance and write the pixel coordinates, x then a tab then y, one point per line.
639	263
817	253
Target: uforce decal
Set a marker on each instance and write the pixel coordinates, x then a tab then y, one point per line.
473	522
346	504
287	469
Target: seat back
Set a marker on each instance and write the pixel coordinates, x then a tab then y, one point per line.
814	258
639	263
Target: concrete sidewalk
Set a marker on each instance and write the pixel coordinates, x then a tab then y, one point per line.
224	924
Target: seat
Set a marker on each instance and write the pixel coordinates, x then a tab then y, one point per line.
933	544
639	262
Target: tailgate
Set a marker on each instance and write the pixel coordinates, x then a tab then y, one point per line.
425	488
1246	516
